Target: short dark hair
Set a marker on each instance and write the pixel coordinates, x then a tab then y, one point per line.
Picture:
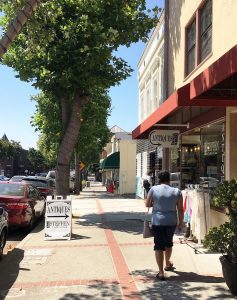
164	176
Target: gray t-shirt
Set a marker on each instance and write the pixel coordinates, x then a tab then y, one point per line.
165	200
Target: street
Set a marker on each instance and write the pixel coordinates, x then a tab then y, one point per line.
13	239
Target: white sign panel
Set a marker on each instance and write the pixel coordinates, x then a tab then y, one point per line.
165	138
58	218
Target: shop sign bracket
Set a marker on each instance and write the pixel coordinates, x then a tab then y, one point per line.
174	125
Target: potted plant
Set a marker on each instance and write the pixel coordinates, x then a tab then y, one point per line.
224	238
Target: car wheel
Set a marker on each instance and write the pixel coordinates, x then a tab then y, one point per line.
3	238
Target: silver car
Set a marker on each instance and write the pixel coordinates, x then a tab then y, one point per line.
3	229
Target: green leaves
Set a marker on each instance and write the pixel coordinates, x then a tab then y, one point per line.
9	148
225	194
94	133
67	51
224	238
37	160
70	43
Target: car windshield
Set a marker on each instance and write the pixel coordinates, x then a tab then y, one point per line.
17	178
11	189
36	183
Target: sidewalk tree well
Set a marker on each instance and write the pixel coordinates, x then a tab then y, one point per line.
19	19
68	49
224	238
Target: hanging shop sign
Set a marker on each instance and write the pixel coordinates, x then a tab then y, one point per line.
165	138
58	218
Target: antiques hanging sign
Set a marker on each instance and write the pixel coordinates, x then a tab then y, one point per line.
165	138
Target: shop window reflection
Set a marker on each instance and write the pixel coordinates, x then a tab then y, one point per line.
212	152
190	163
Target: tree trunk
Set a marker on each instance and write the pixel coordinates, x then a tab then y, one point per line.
68	143
65	110
17	24
77	174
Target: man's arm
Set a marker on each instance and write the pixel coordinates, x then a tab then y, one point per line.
148	201
180	211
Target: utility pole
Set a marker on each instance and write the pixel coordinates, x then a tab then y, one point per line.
16	25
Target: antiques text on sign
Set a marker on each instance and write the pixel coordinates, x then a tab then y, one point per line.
165	138
58	218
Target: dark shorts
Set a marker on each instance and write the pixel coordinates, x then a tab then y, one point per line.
163	237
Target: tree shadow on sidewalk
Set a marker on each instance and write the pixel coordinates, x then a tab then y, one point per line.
181	285
99	291
130	222
9	270
194	277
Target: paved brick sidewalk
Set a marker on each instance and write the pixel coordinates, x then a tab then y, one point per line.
107	258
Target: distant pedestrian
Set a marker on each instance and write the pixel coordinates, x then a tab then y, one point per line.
147	182
166	202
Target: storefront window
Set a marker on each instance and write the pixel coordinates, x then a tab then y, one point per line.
201	158
212	152
175	160
190	163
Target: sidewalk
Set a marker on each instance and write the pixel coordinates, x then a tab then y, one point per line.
107	258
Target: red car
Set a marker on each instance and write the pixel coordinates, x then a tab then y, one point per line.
46	186
23	202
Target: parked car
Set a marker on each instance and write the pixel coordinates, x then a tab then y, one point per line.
23	202
4	178
51	174
45	185
43	174
3	228
17	178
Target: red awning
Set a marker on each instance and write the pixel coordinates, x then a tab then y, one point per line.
214	87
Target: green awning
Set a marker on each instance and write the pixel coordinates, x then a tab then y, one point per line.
111	162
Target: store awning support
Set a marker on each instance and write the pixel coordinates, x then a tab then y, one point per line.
173	125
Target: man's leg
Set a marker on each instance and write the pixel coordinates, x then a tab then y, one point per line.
169	245
160	261
168	252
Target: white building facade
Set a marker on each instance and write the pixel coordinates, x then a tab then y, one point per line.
151	96
119	164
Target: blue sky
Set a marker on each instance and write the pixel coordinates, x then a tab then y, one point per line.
17	108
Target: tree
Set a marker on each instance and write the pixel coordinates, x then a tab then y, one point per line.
36	160
67	50
17	24
48	150
9	148
94	133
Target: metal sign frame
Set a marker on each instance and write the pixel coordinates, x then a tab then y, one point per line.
58	218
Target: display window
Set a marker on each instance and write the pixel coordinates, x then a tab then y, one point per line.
212	152
201	157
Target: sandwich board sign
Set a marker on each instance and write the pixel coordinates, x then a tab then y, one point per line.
58	218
